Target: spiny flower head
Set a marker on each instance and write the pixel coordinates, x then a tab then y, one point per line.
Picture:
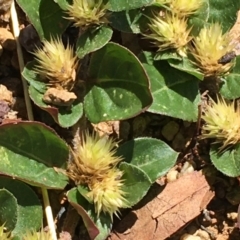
107	194
210	46
37	236
185	7
85	13
222	122
4	235
93	158
56	64
168	32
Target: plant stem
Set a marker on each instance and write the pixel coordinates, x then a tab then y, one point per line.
15	26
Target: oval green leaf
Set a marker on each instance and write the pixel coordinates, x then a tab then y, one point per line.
227	162
154	157
224	12
120	86
8	209
175	93
136	183
126	21
92	40
33	153
29	209
65	117
46	16
230	83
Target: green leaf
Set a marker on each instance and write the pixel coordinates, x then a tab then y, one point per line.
198	20
46	16
98	227
117	6
224	12
126	21
65	117
63	4
186	65
175	93
29	209
33	79
230	85
33	153
136	183
120	86
152	156
8	209
92	40
227	162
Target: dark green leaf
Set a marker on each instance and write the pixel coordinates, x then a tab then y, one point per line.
92	40
152	156
227	162
120	87
30	151
29	208
126	21
224	12
46	16
175	93
230	85
8	209
136	183
117	6
187	66
98	227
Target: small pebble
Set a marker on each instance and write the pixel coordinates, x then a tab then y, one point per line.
172	175
7	39
170	130
189	237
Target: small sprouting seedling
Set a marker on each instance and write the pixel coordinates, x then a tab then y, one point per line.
87	13
222	123
94	165
209	47
168	32
56	64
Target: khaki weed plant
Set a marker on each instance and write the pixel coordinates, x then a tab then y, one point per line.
94	164
56	64
87	13
222	123
210	46
168	32
183	8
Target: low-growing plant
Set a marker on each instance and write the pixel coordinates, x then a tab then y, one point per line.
180	46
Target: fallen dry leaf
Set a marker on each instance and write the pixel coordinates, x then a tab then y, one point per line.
59	97
6	95
179	202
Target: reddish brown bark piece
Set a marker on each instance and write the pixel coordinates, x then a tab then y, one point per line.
179	202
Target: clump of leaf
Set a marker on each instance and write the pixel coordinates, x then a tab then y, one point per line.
94	165
87	13
168	32
209	47
56	64
222	123
3	234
